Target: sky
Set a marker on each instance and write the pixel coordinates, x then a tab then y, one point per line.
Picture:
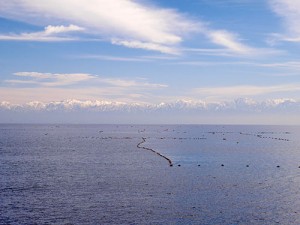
150	61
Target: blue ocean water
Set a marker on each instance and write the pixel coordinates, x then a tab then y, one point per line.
98	174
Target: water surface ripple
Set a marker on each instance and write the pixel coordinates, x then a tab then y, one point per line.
105	174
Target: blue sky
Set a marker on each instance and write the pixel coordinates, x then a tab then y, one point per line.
189	54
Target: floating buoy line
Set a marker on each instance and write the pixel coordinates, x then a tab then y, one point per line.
152	150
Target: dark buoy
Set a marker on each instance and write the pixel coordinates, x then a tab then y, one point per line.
199	165
222	165
247	166
278	166
179	165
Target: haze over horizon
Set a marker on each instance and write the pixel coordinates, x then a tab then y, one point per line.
150	61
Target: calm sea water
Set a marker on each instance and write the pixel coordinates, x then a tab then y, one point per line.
97	174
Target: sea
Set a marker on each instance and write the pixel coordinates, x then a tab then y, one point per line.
149	174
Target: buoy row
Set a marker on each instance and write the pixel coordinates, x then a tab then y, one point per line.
222	165
152	150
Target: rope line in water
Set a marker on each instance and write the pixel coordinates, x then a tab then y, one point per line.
152	150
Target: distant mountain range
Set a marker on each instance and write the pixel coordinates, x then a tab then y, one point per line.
239	105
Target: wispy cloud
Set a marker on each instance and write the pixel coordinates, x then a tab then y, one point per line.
132	24
50	33
49	79
210	52
229	41
57	80
147	45
289	11
32	86
214	63
243	91
142	58
290	65
131	83
115	58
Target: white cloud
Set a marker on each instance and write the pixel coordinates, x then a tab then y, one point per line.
233	45
50	30
290	65
57	79
230	41
50	33
147	46
131	83
116	58
50	79
103	91
129	23
145	25
289	10
210	52
33	86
